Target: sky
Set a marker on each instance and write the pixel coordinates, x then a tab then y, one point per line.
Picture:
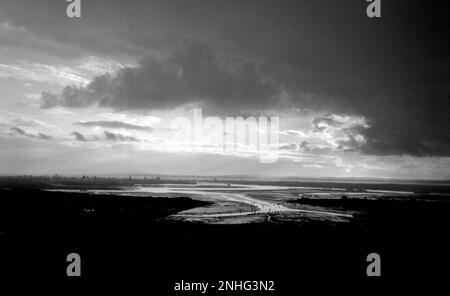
355	96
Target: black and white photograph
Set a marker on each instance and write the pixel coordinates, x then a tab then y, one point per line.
225	147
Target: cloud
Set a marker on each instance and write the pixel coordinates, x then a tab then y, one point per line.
21	132
79	137
94	65
312	166
38	72
296	133
113	124
195	74
192	73
18	130
106	136
393	74
289	147
18	37
12	119
307	147
119	137
342	132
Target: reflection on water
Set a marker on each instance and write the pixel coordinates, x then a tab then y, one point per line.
229	201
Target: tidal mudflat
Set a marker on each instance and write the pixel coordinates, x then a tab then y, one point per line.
235	203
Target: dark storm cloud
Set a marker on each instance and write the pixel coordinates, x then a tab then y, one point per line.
325	56
40	136
72	96
113	124
394	71
192	73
